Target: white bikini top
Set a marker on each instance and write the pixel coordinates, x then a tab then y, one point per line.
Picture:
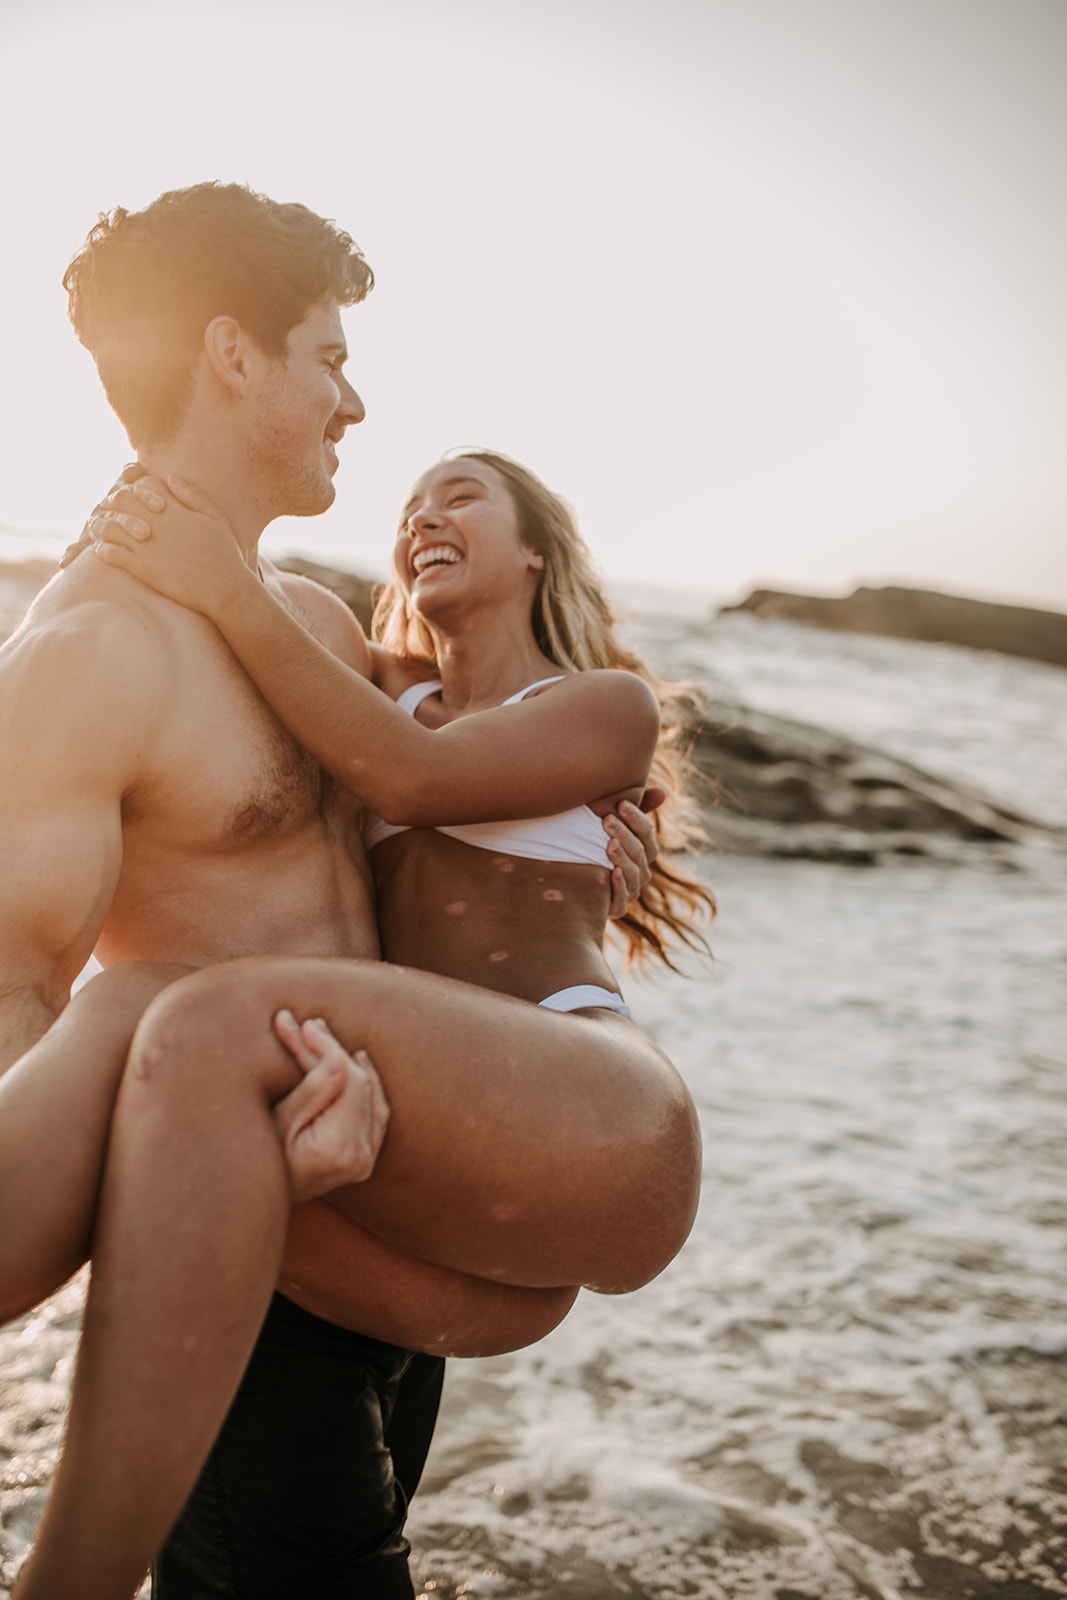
576	835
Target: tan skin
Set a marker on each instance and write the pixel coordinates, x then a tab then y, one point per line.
517	926
163	768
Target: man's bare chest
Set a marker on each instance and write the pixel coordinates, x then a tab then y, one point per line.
225	773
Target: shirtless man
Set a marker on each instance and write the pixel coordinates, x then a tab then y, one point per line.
155	810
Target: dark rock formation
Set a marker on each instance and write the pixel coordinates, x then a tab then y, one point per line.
769	785
924	614
772	786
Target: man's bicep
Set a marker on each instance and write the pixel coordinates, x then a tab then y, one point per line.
58	874
76	709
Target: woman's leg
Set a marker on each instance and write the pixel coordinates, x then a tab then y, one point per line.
328	1257
190	1230
337	1270
55	1106
524	1147
518	1136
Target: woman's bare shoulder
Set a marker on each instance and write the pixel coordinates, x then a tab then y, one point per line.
613	689
393	674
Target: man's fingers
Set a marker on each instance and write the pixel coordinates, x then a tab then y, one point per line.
621	895
653	797
641	826
303	1045
632	849
332	1125
313	1095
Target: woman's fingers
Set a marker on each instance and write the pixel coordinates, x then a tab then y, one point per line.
131	490
191	496
73	551
113	554
108	524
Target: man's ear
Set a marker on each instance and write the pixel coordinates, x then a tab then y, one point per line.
228	348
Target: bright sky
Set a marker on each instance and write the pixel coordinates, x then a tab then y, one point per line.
772	290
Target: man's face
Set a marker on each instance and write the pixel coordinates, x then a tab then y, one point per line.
304	403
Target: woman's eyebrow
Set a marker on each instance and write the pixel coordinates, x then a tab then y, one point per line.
445	483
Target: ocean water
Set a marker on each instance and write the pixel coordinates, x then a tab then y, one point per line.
852	1382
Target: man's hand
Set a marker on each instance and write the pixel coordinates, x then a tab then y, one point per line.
632	848
333	1123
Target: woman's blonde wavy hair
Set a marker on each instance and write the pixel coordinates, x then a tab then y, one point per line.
575	628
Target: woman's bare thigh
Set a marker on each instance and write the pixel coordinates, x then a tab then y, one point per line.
337	1270
55	1108
524	1146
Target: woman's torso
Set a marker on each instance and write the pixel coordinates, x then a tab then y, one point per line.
513	923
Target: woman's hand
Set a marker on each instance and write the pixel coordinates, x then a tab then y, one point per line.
129	474
333	1123
632	848
169	535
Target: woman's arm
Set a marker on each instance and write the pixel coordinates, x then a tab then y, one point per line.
591	735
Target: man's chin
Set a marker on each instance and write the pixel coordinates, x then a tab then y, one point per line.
312	503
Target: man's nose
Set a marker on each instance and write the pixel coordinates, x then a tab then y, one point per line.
350	406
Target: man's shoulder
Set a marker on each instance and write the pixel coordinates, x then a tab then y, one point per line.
90	630
325	615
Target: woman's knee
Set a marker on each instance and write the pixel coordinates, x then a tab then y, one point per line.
214	1022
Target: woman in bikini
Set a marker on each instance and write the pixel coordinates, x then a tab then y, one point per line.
537	1141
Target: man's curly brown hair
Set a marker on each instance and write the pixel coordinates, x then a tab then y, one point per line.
145	285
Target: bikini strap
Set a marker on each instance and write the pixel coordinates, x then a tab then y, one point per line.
530	687
414	695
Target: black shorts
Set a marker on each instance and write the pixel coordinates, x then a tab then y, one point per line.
305	1492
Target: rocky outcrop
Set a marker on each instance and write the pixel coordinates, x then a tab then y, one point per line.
772	786
768	785
903	613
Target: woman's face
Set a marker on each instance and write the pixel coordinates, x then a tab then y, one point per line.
460	538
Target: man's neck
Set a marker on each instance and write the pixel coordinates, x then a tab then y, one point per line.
214	467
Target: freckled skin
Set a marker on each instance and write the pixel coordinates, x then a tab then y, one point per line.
552	911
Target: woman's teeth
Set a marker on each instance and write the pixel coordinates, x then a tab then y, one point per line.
438	554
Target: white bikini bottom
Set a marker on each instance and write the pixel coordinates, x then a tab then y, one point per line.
586	994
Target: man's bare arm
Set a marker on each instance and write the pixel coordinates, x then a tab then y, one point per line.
78	694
